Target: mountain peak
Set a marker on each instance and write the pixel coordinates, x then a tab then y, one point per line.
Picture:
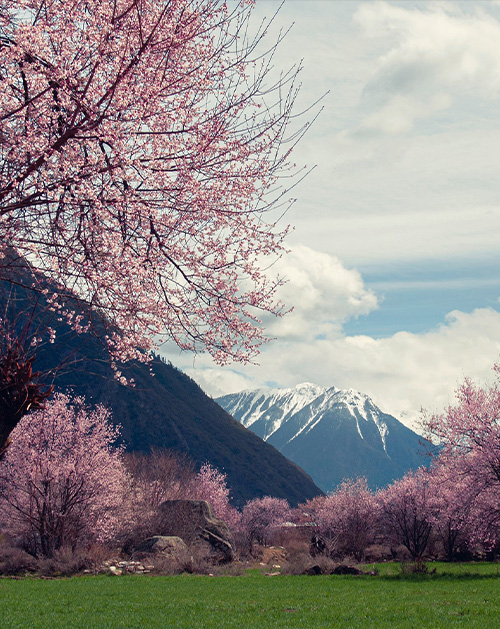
307	386
331	433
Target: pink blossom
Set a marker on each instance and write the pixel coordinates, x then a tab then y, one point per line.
62	480
211	485
347	518
261	515
468	434
139	167
405	511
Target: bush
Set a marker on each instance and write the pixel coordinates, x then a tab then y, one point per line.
14	561
408	568
64	562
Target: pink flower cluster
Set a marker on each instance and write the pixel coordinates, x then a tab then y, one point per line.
62	480
143	144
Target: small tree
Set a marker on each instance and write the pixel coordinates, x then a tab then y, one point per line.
158	476
211	485
261	515
62	480
347	519
453	508
405	512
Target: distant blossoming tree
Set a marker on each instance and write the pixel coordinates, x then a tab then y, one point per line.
405	511
469	436
211	485
62	480
453	507
347	519
261	515
142	144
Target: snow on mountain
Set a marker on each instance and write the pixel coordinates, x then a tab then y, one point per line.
331	433
268	407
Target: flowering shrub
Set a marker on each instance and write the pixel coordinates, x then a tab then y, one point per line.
62	480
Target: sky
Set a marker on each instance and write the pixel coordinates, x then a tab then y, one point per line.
393	271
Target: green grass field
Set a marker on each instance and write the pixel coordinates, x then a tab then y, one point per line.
457	596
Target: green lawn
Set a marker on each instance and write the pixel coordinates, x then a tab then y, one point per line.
457	596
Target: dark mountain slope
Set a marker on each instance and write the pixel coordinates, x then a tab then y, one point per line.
166	409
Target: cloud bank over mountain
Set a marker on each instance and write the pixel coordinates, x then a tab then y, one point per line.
402	372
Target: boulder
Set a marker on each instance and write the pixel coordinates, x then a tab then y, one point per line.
195	522
313	570
346	570
169	546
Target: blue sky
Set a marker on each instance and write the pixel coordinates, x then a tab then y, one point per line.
394	269
416	297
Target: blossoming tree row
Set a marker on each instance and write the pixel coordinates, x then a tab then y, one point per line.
65	481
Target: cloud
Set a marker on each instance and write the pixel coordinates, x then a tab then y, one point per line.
321	289
324	295
408	146
399	114
403	372
407	371
430	55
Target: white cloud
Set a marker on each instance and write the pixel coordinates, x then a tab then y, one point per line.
408	145
400	113
322	290
432	54
402	373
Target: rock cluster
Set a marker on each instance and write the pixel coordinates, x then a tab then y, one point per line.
118	567
187	528
339	570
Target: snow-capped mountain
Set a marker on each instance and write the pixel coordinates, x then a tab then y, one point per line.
331	433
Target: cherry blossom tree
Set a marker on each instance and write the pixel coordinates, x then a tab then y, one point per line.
62	480
307	512
260	516
453	507
405	511
211	485
469	437
347	519
143	146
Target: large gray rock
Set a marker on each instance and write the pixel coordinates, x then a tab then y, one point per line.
169	546
195	522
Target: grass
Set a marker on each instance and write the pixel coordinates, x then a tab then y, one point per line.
456	596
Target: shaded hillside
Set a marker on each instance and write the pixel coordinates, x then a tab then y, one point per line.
169	410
